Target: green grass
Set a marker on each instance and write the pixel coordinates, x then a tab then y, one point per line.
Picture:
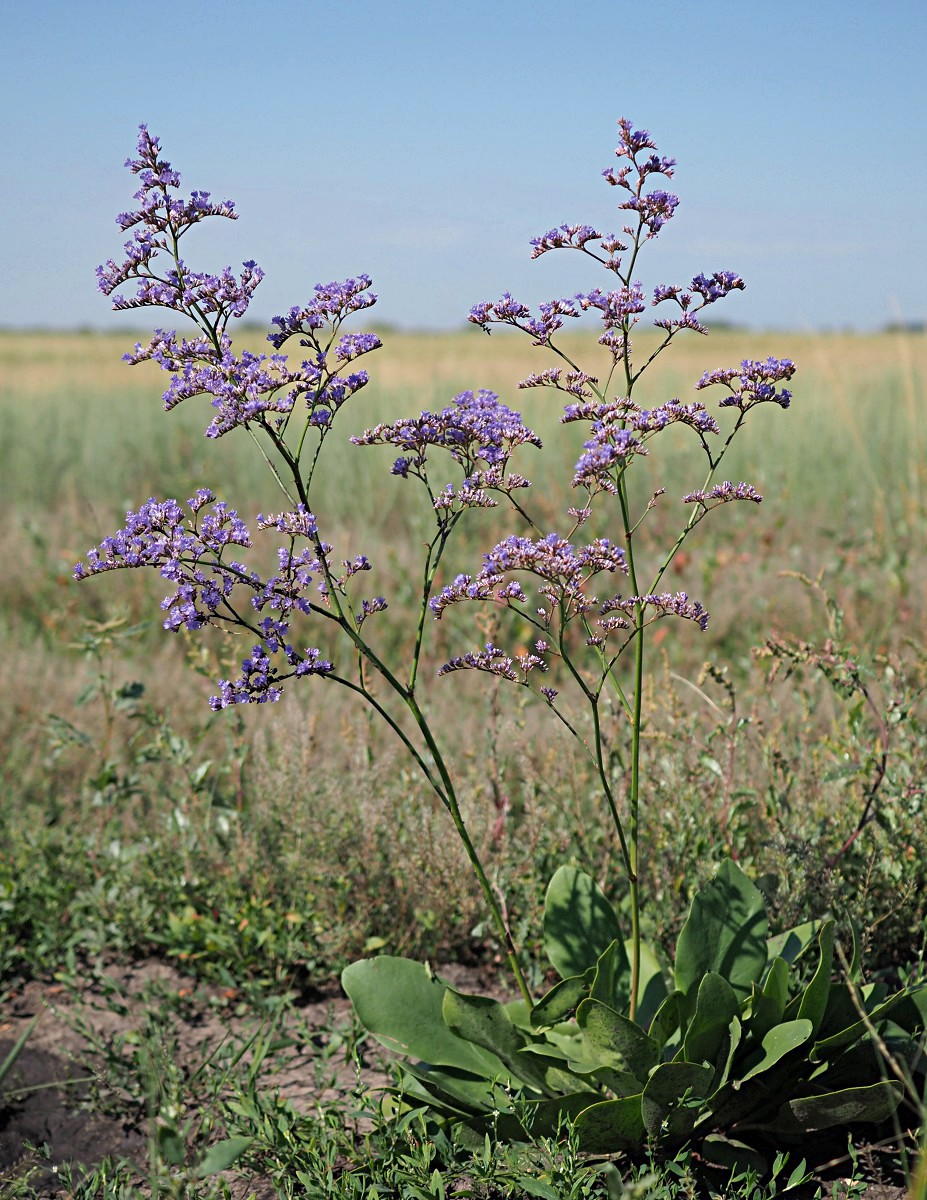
263	851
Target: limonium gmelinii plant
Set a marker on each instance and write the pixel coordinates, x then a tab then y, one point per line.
289	410
589	599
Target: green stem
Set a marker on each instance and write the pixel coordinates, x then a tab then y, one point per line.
489	895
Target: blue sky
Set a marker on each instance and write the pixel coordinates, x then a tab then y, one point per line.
426	142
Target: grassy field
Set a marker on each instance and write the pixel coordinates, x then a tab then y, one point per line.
263	850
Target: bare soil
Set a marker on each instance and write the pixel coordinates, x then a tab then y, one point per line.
46	1091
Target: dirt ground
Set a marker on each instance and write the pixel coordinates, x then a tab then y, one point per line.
51	1113
52	1065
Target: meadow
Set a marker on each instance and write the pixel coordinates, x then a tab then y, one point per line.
260	850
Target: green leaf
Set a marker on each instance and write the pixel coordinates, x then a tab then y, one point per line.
400	1002
612	980
731	1154
579	922
652	988
778	1042
611	1125
536	1187
911	1013
725	932
672	1098
666	1020
813	1004
561	1001
452	1091
840	1010
222	1155
792	943
715	1007
484	1022
871	1104
171	1145
613	1041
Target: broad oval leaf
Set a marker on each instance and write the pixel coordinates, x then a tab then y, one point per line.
611	1040
610	1126
400	1002
778	1042
813	1004
485	1023
579	922
671	1100
716	1006
222	1155
870	1104
725	932
561	1001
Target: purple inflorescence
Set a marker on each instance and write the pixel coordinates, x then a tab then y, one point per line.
753	382
190	553
620	308
479	432
245	387
564	571
723	493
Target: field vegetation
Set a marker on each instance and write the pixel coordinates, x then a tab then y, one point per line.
260	850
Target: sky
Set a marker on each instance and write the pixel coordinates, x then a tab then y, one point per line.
424	142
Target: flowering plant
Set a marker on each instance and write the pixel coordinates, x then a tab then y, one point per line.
589	599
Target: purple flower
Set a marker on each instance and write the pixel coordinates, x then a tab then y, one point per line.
476	428
564	571
723	493
753	382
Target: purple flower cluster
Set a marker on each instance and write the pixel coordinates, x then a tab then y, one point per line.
564	570
509	311
723	493
160	220
620	307
243	387
260	679
567	236
189	552
332	303
576	383
477	428
753	382
710	289
496	662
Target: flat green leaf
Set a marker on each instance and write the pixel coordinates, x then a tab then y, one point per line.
671	1100
792	943
611	1125
911	1013
731	1154
725	932
537	1187
776	985
666	1019
400	1002
778	1042
612	980
871	1104
171	1145
813	1003
561	1001
579	922
652	987
543	1118
222	1155
840	1010
611	1040
455	1091
484	1022
716	1006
